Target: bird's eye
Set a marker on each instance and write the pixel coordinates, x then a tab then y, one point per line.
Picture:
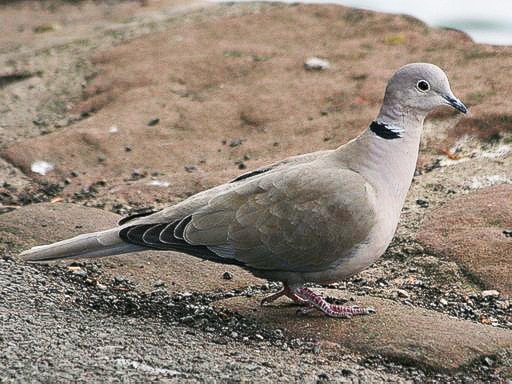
423	86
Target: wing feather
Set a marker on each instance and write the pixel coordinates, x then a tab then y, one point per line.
300	218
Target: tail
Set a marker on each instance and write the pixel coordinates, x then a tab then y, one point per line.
89	245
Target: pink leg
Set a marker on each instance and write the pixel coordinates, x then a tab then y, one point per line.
286	291
332	310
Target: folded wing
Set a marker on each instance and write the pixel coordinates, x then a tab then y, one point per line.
302	218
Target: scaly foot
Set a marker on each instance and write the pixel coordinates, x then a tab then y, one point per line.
286	291
333	310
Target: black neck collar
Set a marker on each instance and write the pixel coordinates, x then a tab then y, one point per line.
384	131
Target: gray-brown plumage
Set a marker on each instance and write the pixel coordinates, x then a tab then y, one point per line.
318	217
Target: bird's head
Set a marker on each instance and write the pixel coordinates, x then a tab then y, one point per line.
420	88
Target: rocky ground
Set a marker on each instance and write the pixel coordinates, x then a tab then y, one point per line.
109	107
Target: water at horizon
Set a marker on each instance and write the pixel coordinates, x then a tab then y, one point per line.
487	21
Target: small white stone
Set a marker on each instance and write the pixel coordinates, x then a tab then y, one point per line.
490	293
159	183
443	302
113	129
403	293
101	287
42	167
315	63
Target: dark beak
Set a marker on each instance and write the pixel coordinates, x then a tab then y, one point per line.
456	103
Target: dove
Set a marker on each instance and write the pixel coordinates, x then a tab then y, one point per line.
314	218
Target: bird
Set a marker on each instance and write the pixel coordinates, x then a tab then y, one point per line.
317	218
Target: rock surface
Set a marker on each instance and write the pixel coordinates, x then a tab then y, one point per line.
470	229
49	222
280	110
418	336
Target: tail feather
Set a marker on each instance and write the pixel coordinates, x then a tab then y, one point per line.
89	245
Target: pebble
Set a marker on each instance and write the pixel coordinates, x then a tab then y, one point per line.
402	293
153	121
138	174
490	293
101	287
278	333
80	272
63	122
119	279
241	165
41	167
316	64
488	361
236	142
159	183
227	275
39	121
443	302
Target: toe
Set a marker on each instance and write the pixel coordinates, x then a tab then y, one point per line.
340	315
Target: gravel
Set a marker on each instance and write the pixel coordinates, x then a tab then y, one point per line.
69	323
61	326
425	281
